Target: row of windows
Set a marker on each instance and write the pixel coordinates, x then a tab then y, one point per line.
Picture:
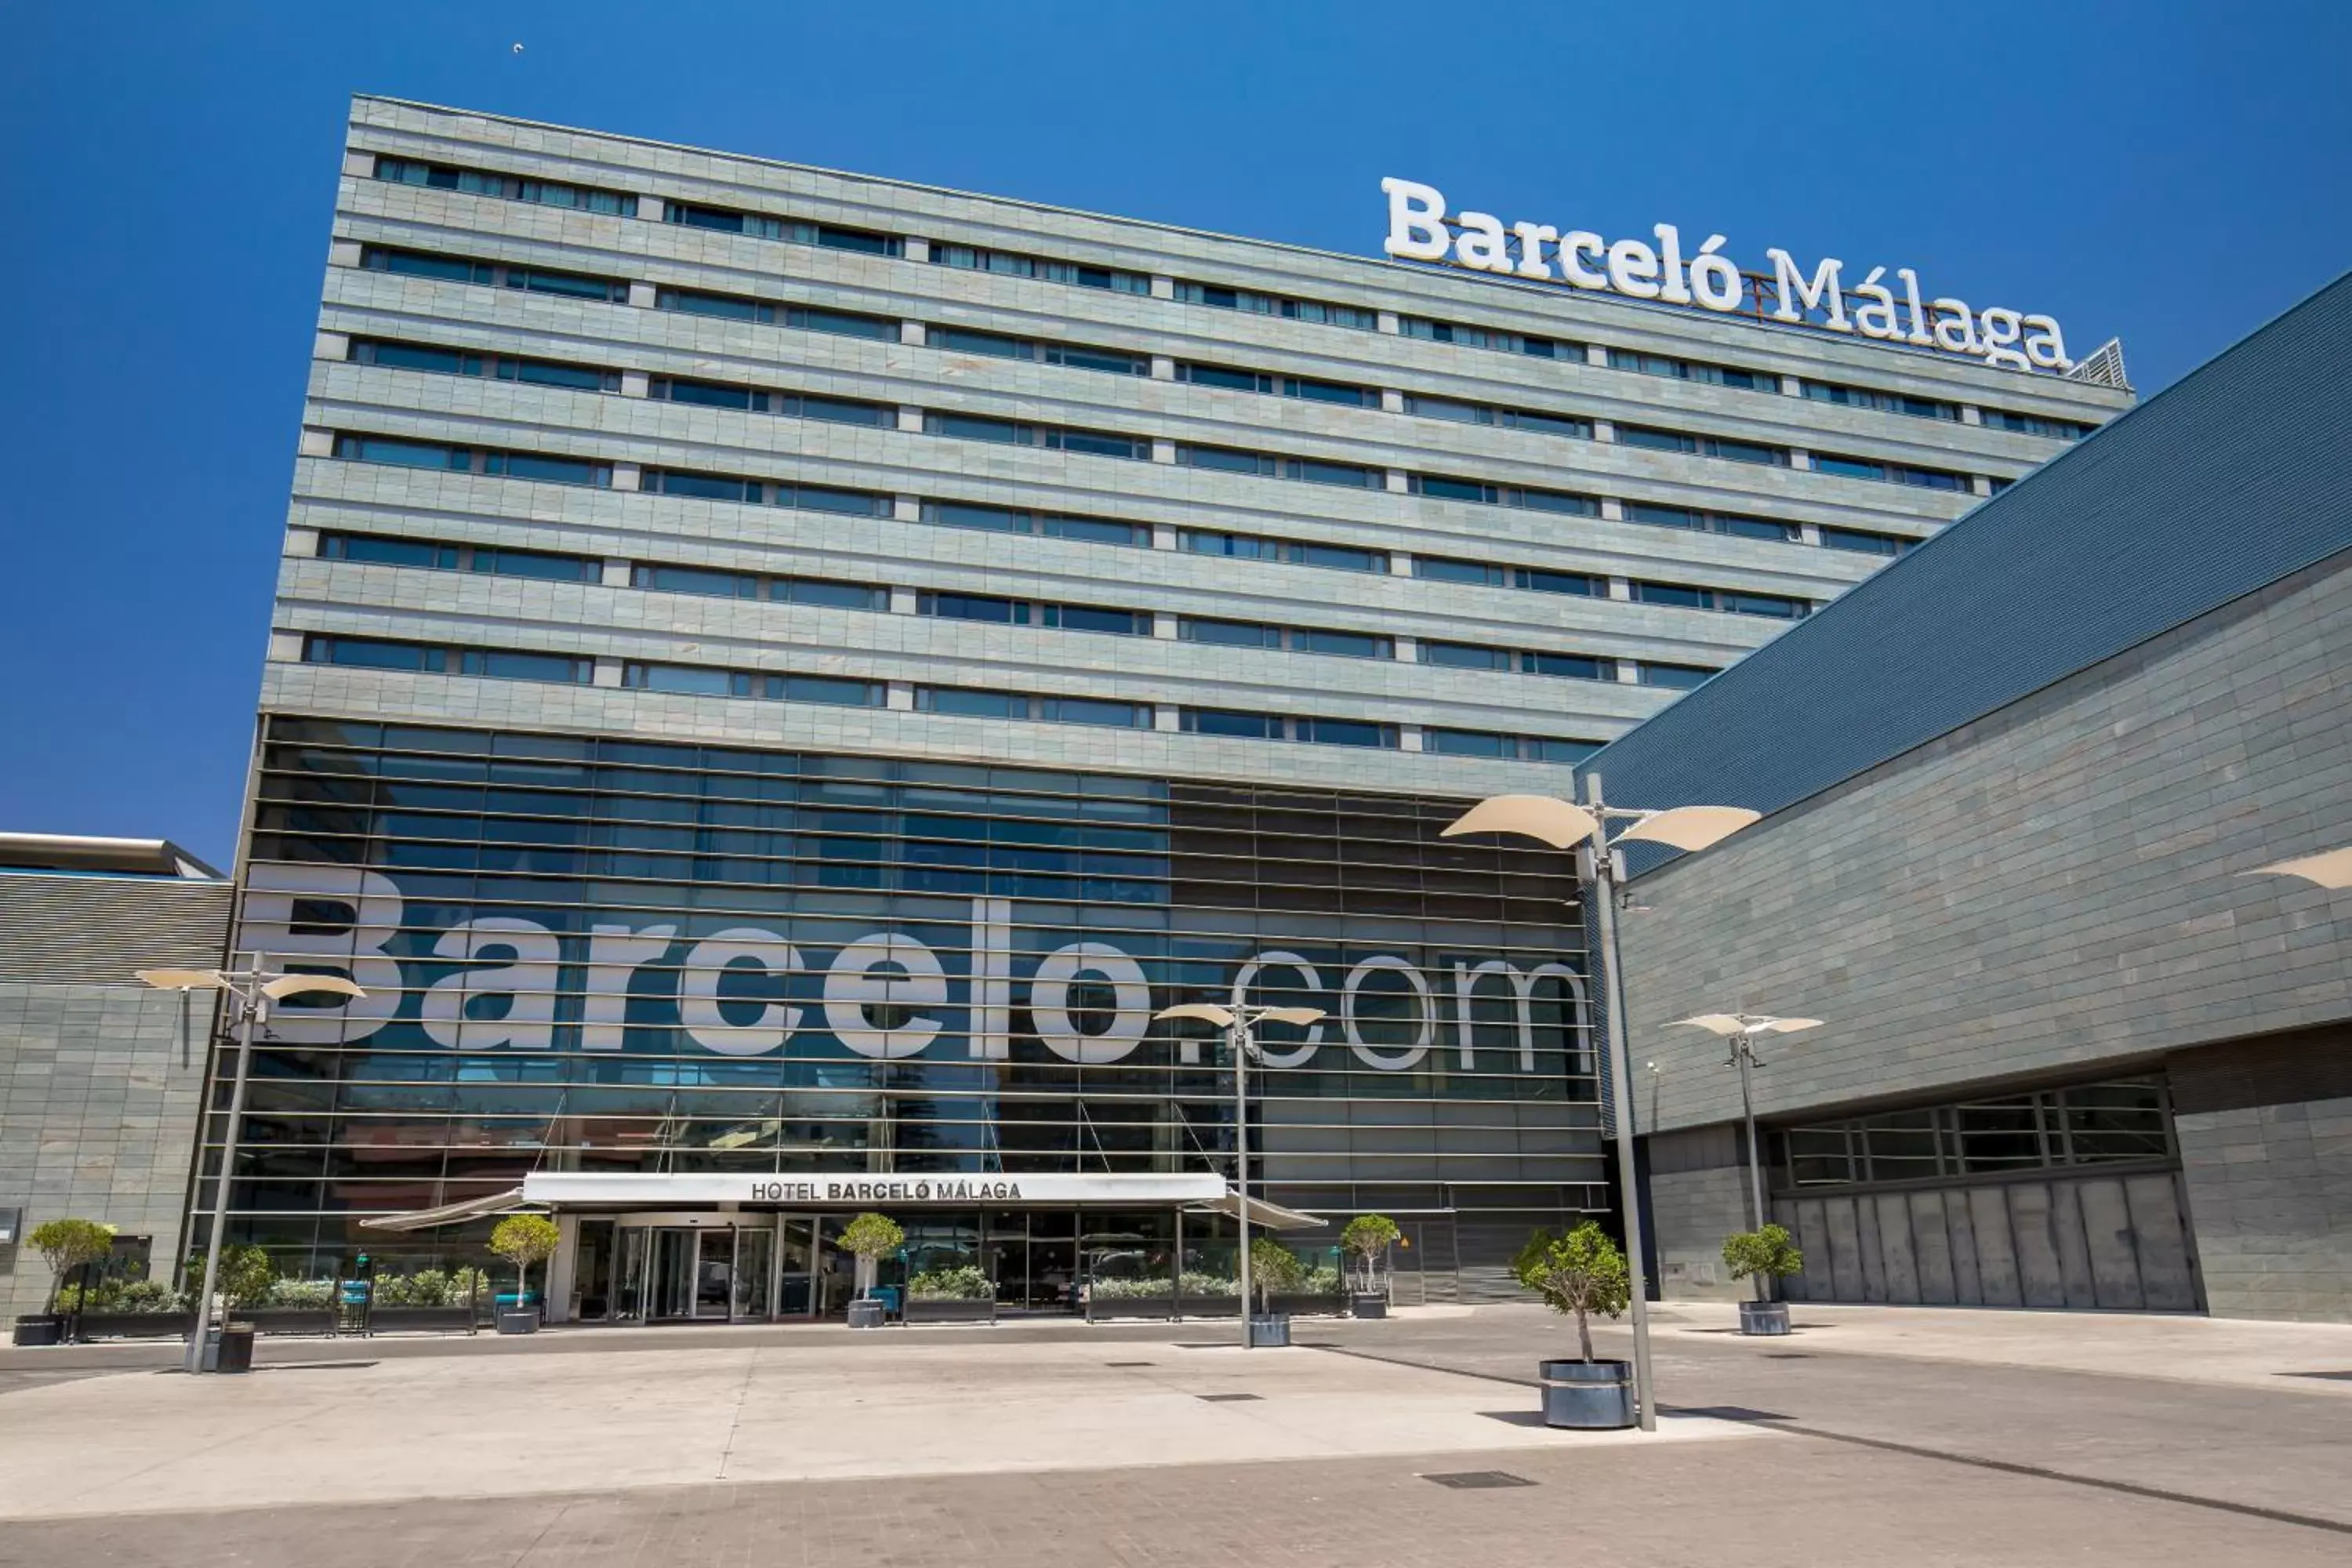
760	492
704	681
728	220
1564	666
2095	1123
1118	361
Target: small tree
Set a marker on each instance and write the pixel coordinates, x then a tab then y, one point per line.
66	1245
1581	1272
244	1278
1273	1268
870	1237
1368	1237
523	1239
1765	1255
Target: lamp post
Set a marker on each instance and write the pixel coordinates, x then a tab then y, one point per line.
1740	1029
1240	1023
251	991
1585	828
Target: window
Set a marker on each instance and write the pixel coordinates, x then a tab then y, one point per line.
497	664
1540	581
1884	402
1344	732
1009	264
1313	471
979	427
1311	391
1508	748
1889	473
1476	656
544	565
699	681
510	187
1116	362
1862	542
1485	338
498	367
1702	446
1225	299
458	270
377	550
2036	424
726	220
1023	613
702	580
1254	634
1680	677
715	583
1479	573
1673	593
408	454
1693	370
1465	655
1055	525
787	404
1508	419
2094	1123
1257	547
762	492
1568	665
1232	725
1441	486
809	318
826	594
968	702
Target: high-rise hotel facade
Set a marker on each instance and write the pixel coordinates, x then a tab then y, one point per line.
775	675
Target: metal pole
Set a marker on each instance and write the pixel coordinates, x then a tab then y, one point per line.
1238	1036
248	1009
1620	1091
1742	1049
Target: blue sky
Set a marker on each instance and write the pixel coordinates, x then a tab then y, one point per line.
2170	174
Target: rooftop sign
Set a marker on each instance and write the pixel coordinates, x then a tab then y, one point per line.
1420	230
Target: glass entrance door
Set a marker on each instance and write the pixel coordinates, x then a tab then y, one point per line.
796	1264
670	1286
752	1259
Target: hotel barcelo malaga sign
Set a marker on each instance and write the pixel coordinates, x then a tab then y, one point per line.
883	995
1420	230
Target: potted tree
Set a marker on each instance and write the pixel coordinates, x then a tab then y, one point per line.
1274	1269
65	1245
1580	1273
1367	1239
868	1237
1767	1256
523	1239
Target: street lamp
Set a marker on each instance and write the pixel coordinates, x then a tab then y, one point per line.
1240	1023
1741	1029
252	990
1585	828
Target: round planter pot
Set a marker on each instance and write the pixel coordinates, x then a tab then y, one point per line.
1269	1332
1368	1306
40	1328
868	1314
518	1322
1588	1396
1763	1317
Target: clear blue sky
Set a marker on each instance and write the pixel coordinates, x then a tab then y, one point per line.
2170	174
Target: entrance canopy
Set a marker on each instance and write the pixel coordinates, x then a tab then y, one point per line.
577	1189
1262	1214
449	1213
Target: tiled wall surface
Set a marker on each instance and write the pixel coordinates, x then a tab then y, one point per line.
2269	1189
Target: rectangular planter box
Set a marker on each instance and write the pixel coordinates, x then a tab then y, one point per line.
956	1311
1162	1307
421	1319
135	1325
287	1319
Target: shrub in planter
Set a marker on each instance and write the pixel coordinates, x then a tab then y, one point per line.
523	1239
300	1293
1367	1239
1274	1270
244	1278
1767	1256
868	1237
967	1283
1579	1273
66	1245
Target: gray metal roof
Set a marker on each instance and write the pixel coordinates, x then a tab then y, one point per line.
2235	477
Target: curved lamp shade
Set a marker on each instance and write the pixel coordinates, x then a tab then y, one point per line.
1786	1026
1691	827
1729	1024
1713	1023
1559	823
286	985
1299	1015
2331	869
180	979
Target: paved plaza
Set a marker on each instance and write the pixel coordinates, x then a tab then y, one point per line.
1872	1435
